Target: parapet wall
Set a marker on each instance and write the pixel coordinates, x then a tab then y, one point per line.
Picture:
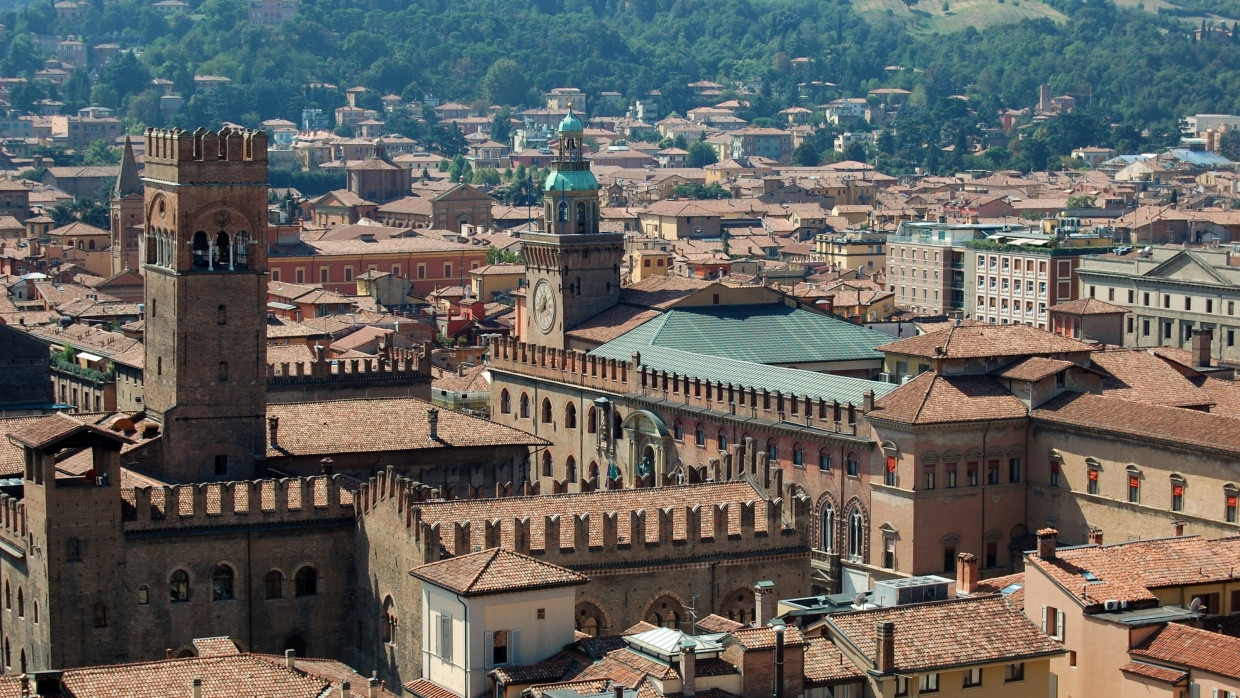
176	155
394	364
301	499
630	377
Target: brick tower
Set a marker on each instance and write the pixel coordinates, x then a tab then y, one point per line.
572	269
205	264
126	204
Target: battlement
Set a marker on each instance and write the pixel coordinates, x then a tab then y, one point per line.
13	521
750	512
206	156
392	364
632	378
297	499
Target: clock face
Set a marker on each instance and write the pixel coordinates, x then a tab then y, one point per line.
544	306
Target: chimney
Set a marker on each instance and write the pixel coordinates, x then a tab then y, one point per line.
46	682
1095	536
966	573
290	659
344	690
168	653
867	402
1046	543
318	352
617	690
688	667
1202	339
325	466
432	423
372	687
196	688
1179	528
764	603
885	647
273	430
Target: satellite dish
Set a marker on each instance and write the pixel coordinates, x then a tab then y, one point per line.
1196	606
860	600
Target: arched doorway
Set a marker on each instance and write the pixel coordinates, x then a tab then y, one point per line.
649	447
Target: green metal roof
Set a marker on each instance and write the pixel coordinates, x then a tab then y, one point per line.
572	180
569	123
770	333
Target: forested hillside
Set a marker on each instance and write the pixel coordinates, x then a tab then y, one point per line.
1136	69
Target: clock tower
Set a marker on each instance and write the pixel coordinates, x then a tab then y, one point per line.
572	270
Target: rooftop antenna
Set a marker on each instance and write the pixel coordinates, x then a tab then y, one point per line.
692	609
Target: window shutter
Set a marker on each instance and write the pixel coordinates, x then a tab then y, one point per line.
1059	624
1044	619
514	647
488	649
1216	693
445	637
1194	690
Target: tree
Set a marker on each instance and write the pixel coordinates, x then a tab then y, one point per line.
1082	201
497	256
505	83
701	155
807	154
98	153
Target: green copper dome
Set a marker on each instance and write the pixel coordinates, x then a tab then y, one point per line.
570	123
571	180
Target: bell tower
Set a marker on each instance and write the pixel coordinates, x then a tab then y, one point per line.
572	269
205	264
126	204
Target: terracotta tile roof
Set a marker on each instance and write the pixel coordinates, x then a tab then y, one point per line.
472	378
215	647
1143	377
612	323
639	627
1158	673
994	585
12	457
825	664
764	638
587	687
1129	571
980	341
350	426
1087	306
596	504
718	624
221	677
1172	425
1184	645
496	571
1225	394
44	431
934	399
426	689
627	666
1034	368
534	673
956	632
660	292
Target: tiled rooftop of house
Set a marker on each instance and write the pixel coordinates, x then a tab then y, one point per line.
1087	306
1143	377
1034	368
980	341
1158	673
1170	425
1128	571
765	637
1186	646
717	624
378	425
43	431
825	664
496	571
943	634
933	399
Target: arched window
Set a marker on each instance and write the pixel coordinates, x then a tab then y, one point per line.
222	583
36	611
505	401
570	416
1134	484
722	440
856	536
592	421
1177	492
546	464
798	456
21	603
178	586
73	550
201	249
581	216
772	450
853	464
699	436
824	459
592	471
274	583
23	661
306	582
678	430
570	469
387	622
525	406
617	427
8	597
101	615
826	522
546	410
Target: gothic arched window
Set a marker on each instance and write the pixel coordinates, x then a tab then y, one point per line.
201	249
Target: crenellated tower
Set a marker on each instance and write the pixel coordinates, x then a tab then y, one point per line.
572	269
205	265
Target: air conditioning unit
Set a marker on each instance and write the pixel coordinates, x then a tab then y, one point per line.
1111	605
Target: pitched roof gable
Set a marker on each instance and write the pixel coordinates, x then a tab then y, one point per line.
496	571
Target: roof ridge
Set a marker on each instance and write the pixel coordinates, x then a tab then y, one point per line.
485	566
